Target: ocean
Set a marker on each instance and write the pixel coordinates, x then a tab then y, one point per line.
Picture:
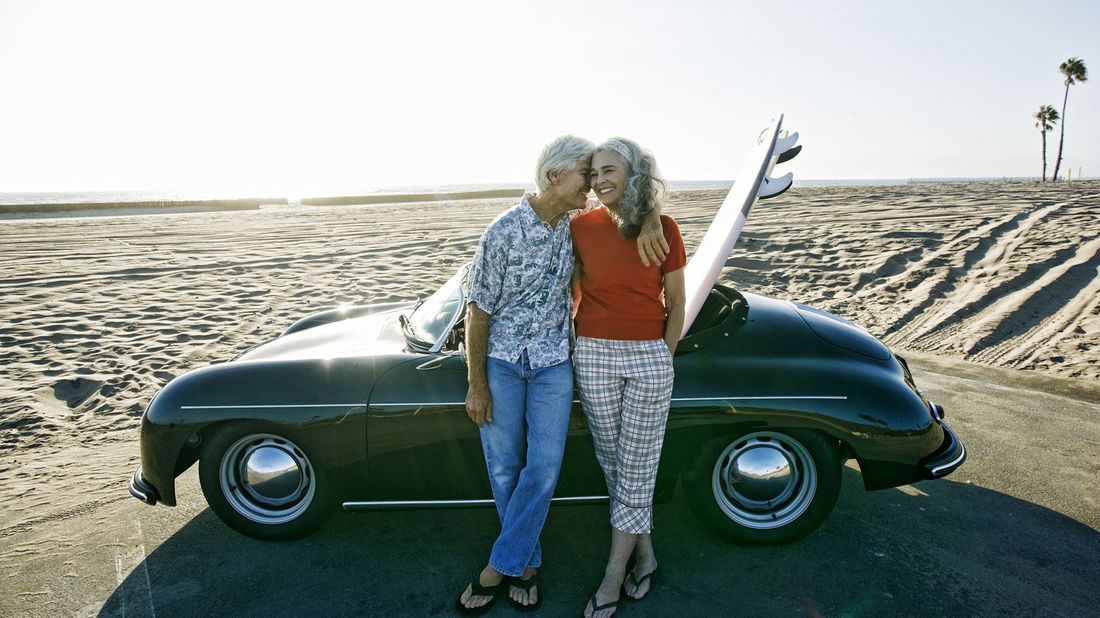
25	202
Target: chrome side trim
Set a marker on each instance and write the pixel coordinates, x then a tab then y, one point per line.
418	403
579	499
782	397
280	405
718	398
399	504
353	504
462	403
936	470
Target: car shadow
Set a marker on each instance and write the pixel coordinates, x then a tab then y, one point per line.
934	548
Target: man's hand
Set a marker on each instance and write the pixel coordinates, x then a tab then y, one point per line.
652	246
479	404
479	401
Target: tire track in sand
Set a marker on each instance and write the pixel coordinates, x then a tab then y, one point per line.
1015	328
920	285
975	287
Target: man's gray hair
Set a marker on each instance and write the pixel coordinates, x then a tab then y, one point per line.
561	155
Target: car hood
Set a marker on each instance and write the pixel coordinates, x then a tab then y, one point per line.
374	334
842	333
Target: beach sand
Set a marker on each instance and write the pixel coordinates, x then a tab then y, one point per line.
99	313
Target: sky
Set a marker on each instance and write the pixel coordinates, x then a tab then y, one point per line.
274	98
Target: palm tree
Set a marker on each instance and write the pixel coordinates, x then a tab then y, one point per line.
1047	116
1075	71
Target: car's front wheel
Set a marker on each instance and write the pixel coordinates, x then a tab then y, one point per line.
765	487
263	484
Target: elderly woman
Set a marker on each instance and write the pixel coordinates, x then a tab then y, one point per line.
628	322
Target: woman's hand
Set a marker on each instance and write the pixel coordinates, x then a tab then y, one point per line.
675	301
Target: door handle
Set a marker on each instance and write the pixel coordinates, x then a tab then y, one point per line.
434	363
431	363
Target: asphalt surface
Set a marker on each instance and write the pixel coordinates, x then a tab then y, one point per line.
1014	531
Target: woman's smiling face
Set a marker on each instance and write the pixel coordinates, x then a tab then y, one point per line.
608	177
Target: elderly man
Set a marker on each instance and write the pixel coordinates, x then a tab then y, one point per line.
520	374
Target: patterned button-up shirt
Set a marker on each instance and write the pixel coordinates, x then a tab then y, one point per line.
520	277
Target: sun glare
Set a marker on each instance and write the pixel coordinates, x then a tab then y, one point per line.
251	97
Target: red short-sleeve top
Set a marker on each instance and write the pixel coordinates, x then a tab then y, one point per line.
620	298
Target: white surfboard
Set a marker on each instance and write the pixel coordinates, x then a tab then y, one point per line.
706	263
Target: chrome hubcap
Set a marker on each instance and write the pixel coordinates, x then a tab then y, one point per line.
764	480
271	474
267	479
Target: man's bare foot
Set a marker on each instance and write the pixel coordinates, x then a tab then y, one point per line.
521	596
488	578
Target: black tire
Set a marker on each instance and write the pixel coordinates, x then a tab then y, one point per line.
292	498
765	487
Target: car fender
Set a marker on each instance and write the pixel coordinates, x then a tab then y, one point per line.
863	403
321	403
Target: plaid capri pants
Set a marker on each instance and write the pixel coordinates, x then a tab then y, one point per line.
625	389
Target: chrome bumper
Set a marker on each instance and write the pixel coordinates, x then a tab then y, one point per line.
947	458
141	490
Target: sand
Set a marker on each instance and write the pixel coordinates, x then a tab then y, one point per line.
1005	275
99	313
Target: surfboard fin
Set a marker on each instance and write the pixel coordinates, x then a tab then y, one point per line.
771	187
785	142
789	154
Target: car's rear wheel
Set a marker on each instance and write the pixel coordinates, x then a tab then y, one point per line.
262	484
765	487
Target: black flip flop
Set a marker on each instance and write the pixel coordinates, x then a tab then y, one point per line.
526	585
599	608
641	580
477	590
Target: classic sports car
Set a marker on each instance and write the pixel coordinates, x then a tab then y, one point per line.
364	407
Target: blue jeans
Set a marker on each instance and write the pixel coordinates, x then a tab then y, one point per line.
523	448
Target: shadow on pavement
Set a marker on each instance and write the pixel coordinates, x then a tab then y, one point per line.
935	548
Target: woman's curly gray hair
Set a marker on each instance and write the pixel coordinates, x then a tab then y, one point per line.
644	189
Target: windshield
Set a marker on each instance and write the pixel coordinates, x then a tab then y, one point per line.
431	320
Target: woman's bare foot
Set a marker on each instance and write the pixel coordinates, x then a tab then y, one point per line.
521	596
608	592
637	585
488	577
633	588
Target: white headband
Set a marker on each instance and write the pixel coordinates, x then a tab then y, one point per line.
619	148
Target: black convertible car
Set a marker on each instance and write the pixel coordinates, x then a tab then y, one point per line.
364	408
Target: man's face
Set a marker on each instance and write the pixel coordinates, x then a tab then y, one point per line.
572	186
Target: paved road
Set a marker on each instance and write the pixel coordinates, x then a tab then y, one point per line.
1015	531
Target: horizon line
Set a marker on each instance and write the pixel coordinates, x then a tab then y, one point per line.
445	187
